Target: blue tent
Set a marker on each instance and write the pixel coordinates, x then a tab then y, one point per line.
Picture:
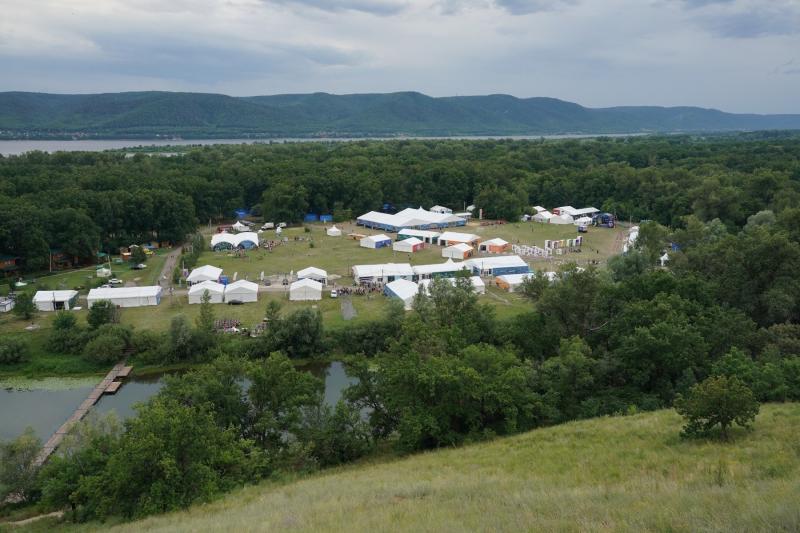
326	218
310	217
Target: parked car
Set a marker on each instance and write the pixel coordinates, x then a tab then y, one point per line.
235	302
334	293
115	281
267	283
583	229
282	225
268	225
140	266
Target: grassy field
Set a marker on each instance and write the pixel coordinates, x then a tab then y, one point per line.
609	474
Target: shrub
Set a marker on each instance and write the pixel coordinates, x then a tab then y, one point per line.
102	312
17	470
108	343
718	401
66	335
24	307
12	350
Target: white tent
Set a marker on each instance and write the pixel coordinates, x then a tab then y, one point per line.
317	274
457	251
55	300
242	290
543	216
127	296
375	241
583	221
512	282
240	227
333	231
215	291
382	273
404	290
560	219
407	245
204	273
305	289
103	272
664	259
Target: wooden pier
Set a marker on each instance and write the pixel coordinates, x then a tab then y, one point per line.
109	385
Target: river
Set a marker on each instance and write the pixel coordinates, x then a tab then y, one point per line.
18	147
45	410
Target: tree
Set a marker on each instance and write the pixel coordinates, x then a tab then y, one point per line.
138	255
102	312
205	320
66	336
17	468
13	350
24	307
718	401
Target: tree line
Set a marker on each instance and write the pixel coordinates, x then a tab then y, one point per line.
80	203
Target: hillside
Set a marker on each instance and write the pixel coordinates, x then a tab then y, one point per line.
623	474
148	114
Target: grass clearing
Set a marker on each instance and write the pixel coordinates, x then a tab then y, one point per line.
614	474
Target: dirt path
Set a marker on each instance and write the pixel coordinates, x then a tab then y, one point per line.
56	514
169	265
348	311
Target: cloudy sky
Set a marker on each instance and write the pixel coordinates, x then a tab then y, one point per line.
735	55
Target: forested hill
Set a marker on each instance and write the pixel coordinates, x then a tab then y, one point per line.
146	114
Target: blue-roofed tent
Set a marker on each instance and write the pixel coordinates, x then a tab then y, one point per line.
310	217
326	218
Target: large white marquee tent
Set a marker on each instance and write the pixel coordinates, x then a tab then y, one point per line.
242	290
127	296
317	274
55	300
404	290
215	290
204	273
305	289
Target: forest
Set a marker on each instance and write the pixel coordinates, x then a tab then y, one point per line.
82	203
595	342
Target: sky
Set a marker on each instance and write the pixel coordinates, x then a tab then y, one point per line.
734	55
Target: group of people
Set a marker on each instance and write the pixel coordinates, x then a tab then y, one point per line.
361	290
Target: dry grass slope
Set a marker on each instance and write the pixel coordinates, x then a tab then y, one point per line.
611	474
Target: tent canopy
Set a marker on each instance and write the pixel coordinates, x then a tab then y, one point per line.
333	231
305	289
313	273
242	290
204	273
404	290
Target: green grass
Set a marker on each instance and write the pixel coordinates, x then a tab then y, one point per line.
609	474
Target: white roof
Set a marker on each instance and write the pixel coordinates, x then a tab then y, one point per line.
311	272
54	296
462	247
377	238
543	215
203	273
456	236
441	208
419	233
403	288
476	281
234	240
585	211
386	269
409	218
210	286
239	226
583	220
568	209
515	279
124	292
539	209
306	282
411	241
241	286
498	261
495	242
447	266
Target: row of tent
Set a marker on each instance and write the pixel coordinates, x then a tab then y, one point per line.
64	300
242	291
228	241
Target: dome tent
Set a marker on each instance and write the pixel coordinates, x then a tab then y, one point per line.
333	231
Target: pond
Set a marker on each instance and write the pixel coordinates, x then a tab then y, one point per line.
45	409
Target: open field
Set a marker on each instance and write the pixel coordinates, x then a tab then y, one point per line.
609	474
337	255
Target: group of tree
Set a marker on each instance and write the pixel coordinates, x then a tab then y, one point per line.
80	203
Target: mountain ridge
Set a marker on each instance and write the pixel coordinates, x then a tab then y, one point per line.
160	113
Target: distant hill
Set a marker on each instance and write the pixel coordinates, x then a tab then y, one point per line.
628	473
147	114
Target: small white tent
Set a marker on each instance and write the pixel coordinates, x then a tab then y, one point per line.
305	289
242	291
409	245
583	221
240	227
333	231
55	300
375	241
457	251
404	290
543	216
664	259
215	292
103	272
317	274
204	273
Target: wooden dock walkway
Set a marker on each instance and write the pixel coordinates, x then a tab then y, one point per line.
108	384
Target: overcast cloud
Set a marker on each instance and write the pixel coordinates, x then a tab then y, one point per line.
735	55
